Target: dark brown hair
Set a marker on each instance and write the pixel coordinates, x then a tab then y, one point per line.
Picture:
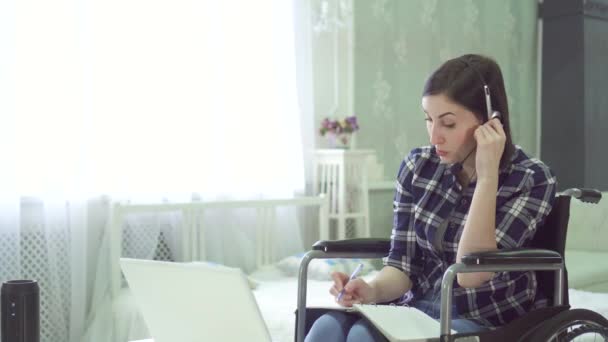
461	80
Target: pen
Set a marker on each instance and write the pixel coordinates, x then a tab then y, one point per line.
352	276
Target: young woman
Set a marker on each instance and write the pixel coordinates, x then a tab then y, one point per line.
471	190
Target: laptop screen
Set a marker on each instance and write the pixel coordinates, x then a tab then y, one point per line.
194	301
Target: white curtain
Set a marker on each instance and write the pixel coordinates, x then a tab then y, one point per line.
203	91
142	99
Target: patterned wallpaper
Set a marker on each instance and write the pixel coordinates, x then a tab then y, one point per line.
395	44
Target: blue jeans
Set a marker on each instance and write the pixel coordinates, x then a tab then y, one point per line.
338	326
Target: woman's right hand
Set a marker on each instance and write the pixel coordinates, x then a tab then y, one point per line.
356	291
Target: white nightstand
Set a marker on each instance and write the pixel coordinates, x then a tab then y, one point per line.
342	175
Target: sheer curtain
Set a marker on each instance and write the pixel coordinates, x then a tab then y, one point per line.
204	91
141	100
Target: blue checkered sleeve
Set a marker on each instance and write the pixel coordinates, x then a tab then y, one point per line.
405	253
526	208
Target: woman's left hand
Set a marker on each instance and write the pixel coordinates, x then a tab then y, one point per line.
490	139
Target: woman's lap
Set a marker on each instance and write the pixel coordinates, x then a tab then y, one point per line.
342	326
461	325
338	326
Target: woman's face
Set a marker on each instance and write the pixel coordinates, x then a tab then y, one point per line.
450	127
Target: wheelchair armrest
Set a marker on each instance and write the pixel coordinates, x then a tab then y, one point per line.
584	195
530	259
363	245
515	256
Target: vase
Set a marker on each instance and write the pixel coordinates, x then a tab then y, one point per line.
341	141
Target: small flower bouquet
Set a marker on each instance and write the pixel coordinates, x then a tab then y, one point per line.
339	132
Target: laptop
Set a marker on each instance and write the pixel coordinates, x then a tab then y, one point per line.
194	302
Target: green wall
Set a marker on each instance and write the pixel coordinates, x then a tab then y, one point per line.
398	43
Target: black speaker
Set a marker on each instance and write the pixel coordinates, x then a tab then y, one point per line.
20	301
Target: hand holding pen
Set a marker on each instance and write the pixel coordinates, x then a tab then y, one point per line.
357	292
352	276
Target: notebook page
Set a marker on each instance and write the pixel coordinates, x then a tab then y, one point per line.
401	323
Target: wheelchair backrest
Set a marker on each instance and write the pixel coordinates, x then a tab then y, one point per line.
552	235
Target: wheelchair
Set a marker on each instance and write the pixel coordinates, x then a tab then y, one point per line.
556	322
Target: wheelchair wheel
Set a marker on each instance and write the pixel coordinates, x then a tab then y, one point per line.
572	325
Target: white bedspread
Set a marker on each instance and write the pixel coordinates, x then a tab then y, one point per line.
277	298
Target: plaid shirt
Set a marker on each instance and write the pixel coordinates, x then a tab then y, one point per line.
428	193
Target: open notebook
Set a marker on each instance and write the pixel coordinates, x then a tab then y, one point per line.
400	323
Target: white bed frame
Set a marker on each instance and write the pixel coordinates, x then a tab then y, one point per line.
193	232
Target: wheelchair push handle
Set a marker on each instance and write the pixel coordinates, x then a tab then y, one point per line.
583	194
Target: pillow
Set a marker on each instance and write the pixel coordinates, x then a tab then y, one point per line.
252	283
321	269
